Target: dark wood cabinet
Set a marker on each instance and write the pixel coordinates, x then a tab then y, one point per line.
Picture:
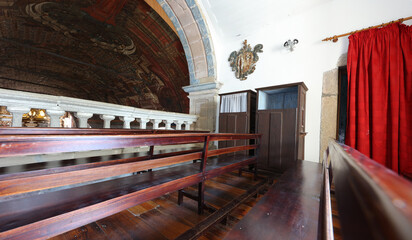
281	121
237	114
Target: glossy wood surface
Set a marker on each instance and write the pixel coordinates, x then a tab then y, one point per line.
87	131
373	201
104	189
289	210
163	218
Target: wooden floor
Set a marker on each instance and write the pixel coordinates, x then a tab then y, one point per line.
162	218
335	216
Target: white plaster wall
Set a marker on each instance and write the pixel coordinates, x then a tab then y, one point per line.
271	23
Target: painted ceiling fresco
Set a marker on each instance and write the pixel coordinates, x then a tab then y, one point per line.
116	51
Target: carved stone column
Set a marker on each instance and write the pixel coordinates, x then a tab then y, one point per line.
17	113
83	117
107	119
203	102
54	117
126	121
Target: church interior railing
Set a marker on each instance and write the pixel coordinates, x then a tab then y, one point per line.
59	111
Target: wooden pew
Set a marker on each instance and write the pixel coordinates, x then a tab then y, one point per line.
289	210
373	201
155	152
41	203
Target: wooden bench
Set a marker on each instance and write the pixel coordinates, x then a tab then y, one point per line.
289	210
373	201
41	202
111	153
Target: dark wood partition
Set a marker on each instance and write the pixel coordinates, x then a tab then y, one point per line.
281	121
237	121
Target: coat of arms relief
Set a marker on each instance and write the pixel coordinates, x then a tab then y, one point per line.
244	61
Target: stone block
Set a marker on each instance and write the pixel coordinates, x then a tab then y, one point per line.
330	82
192	33
328	126
197	50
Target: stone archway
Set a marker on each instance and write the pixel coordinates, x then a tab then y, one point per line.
196	40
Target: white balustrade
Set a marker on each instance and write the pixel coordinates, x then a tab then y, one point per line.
178	125
83	117
19	103
143	122
156	123
106	120
54	117
126	121
17	112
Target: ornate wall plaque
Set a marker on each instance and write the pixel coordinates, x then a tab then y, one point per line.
244	61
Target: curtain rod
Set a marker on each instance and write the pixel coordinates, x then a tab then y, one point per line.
335	38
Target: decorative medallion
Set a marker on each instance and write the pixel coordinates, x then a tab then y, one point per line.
244	61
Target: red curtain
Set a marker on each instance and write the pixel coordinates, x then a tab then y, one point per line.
380	95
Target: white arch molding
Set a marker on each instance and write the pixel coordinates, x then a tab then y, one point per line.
196	41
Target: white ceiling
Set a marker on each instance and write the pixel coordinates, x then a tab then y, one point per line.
228	16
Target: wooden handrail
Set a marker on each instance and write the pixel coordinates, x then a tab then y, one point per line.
373	201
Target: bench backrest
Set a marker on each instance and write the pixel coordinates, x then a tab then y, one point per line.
373	201
21	145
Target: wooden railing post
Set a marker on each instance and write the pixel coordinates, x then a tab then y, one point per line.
201	187
256	154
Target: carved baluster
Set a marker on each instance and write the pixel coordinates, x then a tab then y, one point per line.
107	119
55	117
126	121
17	113
83	117
178	125
156	123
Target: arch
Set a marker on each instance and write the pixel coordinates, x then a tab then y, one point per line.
195	37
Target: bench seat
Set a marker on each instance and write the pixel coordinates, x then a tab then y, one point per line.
103	197
289	210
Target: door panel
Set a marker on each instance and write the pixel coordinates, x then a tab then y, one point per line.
275	140
263	123
289	138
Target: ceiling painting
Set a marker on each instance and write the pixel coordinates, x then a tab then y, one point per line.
116	51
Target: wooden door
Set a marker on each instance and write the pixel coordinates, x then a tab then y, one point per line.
278	143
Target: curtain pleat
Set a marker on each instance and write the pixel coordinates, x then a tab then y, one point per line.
379	95
234	103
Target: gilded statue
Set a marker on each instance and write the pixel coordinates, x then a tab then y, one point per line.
244	61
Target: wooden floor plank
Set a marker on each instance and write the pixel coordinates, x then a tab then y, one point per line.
181	212
125	225
169	226
89	231
239	182
142	208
